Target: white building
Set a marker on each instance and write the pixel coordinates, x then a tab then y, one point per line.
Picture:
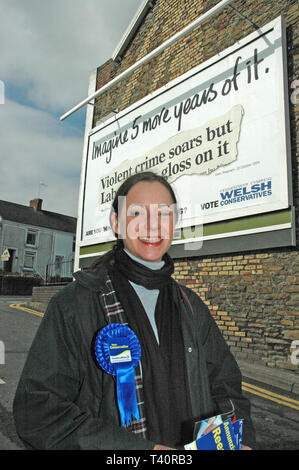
38	241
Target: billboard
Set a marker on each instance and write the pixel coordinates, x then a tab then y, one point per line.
218	133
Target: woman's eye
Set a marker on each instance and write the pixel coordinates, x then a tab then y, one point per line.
165	213
134	212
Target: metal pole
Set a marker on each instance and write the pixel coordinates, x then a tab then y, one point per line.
151	55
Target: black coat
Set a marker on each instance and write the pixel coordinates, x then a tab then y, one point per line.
64	401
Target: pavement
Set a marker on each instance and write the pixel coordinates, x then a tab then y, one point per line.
282	379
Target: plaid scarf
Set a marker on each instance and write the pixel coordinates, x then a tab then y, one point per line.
116	314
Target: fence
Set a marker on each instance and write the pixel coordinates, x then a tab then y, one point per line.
59	272
18	285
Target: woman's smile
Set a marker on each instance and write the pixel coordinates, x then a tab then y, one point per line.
151	241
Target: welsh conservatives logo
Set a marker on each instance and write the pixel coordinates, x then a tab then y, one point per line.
246	193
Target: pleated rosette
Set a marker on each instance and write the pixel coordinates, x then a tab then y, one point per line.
117	350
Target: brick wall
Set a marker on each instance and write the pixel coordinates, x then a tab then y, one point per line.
254	299
253	296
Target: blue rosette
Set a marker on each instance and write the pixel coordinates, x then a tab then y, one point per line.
117	350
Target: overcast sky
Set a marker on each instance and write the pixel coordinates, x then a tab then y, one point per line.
47	50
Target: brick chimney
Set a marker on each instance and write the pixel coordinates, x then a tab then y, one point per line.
36	204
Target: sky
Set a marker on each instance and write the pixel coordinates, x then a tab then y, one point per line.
47	51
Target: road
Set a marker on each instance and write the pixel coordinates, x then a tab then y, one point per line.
274	413
17	329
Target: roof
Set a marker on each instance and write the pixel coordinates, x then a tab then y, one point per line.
129	34
38	218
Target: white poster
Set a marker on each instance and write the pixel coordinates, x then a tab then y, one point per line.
218	133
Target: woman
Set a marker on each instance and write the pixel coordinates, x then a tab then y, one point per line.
186	373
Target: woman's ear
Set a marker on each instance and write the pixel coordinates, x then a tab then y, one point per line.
114	223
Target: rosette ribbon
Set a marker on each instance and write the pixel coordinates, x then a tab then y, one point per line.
118	352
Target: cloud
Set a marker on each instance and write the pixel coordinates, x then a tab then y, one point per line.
47	50
50	47
34	150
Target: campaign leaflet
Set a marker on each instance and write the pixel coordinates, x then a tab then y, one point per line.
227	435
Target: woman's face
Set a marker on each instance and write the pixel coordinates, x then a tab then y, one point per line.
146	220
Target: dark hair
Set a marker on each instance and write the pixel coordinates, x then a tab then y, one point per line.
147	176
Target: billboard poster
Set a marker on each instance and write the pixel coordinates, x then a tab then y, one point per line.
217	133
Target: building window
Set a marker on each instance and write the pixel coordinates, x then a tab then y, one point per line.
31	238
29	260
